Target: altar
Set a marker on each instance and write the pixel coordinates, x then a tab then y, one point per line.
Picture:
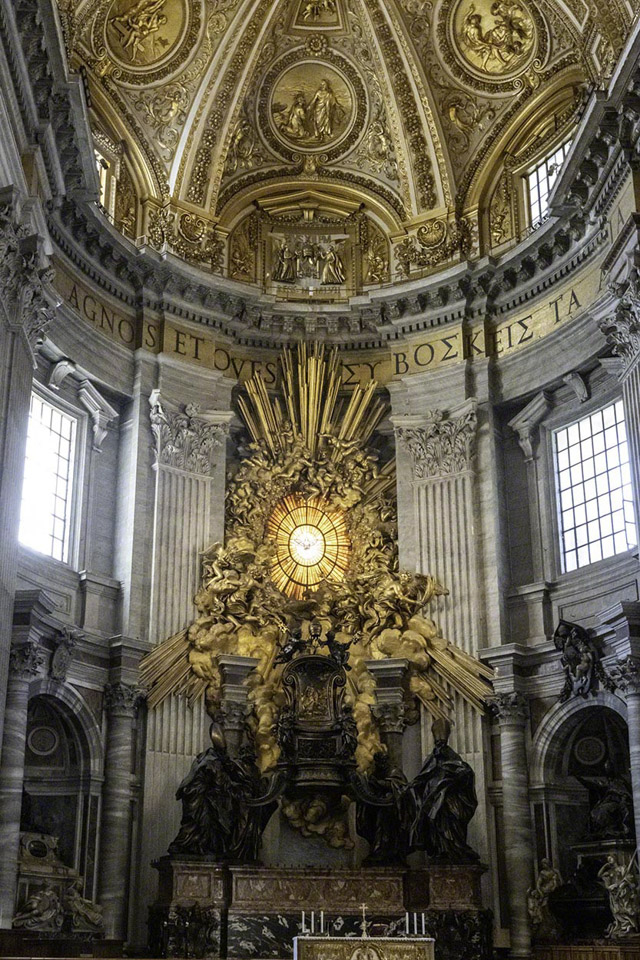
363	948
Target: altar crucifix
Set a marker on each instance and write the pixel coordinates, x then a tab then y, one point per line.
363	925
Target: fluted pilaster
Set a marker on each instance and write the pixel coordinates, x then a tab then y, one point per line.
510	710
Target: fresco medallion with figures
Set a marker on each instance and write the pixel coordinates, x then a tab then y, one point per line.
492	42
312	105
146	40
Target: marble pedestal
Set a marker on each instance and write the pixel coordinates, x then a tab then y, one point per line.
216	910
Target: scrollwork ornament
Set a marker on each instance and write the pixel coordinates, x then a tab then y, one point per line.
443	446
509	708
25	660
122	699
184	440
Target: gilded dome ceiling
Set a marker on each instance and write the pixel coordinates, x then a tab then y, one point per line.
354	142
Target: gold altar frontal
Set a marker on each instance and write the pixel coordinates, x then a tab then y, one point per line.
363	948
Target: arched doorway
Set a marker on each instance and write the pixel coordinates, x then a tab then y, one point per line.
60	798
587	747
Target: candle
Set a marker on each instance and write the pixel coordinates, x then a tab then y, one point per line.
313	921
406	923
322	921
423	924
415	924
302	928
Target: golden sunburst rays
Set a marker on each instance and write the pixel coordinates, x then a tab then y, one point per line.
312	544
312	380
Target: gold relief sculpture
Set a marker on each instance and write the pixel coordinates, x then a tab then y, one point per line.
500	212
305	260
309	461
126	203
318	13
496	37
243	249
311	105
145	31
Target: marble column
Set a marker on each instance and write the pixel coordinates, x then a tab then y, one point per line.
24	663
121	700
389	709
233	703
627	676
510	710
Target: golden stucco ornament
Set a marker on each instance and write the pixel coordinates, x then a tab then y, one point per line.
310	495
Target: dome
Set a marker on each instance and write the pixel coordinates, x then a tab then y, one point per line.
318	151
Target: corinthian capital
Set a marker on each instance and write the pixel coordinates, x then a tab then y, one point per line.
184	439
626	675
25	273
25	660
122	699
622	329
442	445
390	716
509	708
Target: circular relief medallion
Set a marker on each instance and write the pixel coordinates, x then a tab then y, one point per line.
492	41
147	39
308	105
43	741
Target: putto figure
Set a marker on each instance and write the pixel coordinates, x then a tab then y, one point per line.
580	658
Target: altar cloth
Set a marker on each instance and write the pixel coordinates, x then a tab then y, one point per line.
363	948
